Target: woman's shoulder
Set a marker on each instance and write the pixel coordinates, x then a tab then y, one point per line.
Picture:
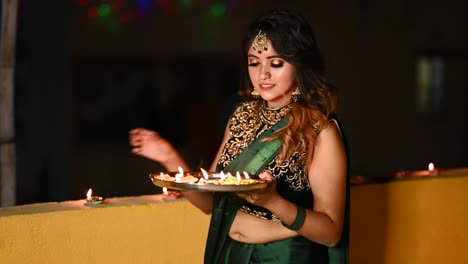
331	125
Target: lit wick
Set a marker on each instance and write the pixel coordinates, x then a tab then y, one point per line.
171	195
93	200
432	170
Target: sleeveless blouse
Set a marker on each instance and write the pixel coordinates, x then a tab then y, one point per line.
291	174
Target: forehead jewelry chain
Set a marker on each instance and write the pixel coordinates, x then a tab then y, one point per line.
260	42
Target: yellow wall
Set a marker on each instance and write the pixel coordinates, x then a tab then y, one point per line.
408	221
139	232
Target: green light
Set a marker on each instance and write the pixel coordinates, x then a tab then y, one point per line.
104	10
217	10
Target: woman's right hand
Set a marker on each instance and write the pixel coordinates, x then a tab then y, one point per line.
151	145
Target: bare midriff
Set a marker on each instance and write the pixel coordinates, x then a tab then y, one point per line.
250	229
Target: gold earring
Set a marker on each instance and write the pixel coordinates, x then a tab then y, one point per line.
255	94
296	95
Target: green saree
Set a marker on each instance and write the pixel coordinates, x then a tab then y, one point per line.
221	249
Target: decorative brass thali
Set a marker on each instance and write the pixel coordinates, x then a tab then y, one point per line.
202	185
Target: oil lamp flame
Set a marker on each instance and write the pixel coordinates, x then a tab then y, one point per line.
431	167
179	175
205	174
238	177
170	194
222	175
89	193
91	200
433	171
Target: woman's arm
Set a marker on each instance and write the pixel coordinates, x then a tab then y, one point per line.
151	145
327	176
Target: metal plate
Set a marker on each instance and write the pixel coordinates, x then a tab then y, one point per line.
209	187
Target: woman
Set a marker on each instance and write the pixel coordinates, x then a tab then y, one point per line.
301	212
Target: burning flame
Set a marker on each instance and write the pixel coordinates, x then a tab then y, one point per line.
246	175
89	193
431	167
179	175
205	174
165	190
238	177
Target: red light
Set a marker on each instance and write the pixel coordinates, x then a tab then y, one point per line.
93	12
84	2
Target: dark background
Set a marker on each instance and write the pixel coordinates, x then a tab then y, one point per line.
89	71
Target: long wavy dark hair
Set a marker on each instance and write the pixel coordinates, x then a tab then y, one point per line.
293	38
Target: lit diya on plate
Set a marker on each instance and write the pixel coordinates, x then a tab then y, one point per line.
207	181
93	199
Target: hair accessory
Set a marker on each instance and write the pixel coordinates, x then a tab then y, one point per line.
255	94
296	94
299	221
260	42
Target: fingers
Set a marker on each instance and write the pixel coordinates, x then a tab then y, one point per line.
266	176
135	141
142	132
135	131
137	135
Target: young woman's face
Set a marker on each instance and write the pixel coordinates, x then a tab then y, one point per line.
272	77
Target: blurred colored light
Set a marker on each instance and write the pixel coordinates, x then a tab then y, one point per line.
145	4
104	10
217	10
84	2
93	12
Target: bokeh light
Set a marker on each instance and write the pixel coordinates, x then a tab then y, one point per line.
93	12
217	10
104	10
127	11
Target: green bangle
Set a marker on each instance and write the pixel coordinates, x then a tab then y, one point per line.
299	221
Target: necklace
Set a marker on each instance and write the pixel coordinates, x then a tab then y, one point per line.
278	107
271	115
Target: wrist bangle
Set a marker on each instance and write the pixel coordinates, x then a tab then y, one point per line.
298	221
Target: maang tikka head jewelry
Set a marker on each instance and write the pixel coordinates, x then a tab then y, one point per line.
260	42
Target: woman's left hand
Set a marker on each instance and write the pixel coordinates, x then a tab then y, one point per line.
266	195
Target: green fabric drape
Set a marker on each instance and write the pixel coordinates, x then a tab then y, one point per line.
295	250
257	154
225	205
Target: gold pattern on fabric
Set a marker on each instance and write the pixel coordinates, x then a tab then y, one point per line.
259	214
246	125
